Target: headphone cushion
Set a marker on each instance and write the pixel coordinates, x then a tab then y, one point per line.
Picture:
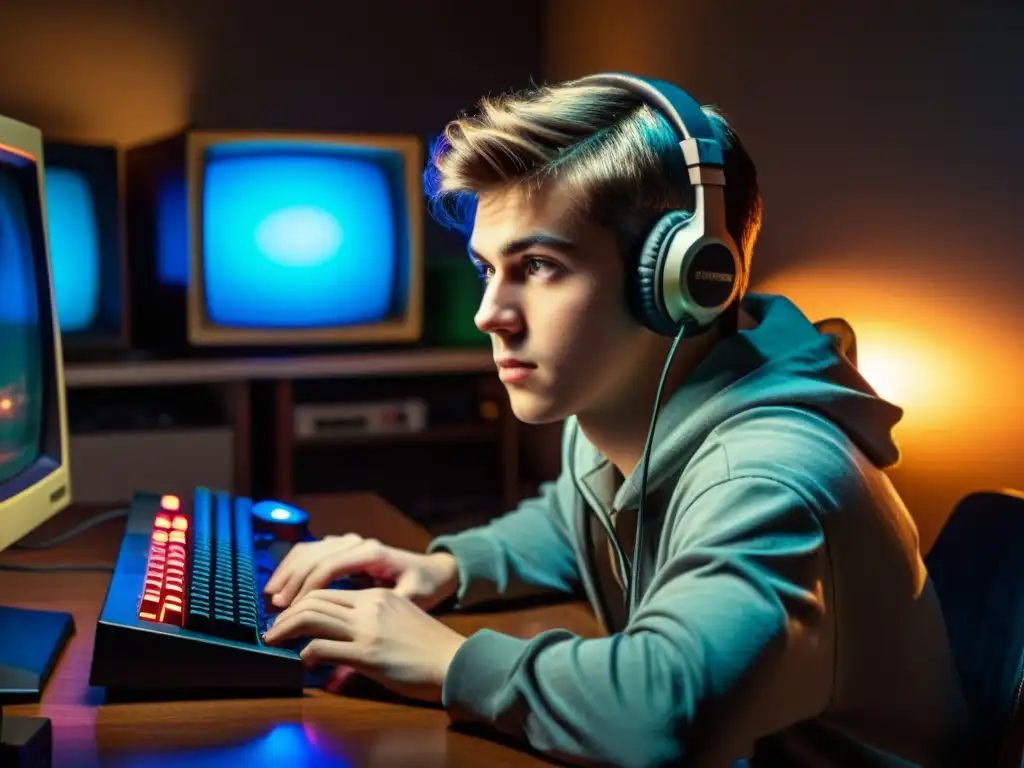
648	267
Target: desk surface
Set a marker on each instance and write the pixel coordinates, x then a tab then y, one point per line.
318	729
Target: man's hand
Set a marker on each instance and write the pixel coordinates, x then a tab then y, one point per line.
375	632
425	579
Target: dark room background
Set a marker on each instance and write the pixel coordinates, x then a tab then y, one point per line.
886	135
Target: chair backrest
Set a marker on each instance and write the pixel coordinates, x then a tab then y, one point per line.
842	332
977	567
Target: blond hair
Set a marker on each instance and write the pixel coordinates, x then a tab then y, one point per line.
617	157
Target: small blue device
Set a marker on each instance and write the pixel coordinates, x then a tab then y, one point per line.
276	513
287	524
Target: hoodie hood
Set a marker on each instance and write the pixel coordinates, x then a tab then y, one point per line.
783	361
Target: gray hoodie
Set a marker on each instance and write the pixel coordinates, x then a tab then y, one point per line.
784	616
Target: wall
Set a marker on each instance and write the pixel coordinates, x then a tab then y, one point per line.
116	70
886	141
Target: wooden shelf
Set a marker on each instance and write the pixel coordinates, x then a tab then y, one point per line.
416	362
443	434
237	376
503	431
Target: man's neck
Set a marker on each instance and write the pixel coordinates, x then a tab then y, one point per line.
619	430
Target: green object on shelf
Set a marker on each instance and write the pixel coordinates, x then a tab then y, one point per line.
452	296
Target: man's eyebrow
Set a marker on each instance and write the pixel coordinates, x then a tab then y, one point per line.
521	244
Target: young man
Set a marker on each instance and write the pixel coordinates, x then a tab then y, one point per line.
784	614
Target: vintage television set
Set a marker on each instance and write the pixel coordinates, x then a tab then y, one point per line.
252	239
34	475
85	222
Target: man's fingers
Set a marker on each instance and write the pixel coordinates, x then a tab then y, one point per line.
314	618
322	651
295	556
294	579
327	570
280	574
318	604
307	551
409	585
343	597
336	565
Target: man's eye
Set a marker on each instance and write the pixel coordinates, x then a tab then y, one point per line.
539	266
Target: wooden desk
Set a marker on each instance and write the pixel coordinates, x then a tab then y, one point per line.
318	729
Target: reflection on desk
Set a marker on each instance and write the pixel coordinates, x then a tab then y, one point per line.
319	729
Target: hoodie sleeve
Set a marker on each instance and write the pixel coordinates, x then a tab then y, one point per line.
523	553
731	642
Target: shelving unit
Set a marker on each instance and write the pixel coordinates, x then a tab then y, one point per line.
236	378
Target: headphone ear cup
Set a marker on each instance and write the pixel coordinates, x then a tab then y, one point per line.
650	263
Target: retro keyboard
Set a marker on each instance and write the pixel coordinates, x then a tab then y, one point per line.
185	606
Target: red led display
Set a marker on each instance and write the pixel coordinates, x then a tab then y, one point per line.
163	597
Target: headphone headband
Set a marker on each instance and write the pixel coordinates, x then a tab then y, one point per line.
701	150
677	106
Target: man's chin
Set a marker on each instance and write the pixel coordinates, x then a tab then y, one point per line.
532	409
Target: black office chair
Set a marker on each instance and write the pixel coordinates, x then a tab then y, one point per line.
977	566
845	338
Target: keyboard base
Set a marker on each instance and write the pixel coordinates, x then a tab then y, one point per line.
133	657
128	658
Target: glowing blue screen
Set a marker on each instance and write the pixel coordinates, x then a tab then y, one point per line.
21	340
74	248
298	236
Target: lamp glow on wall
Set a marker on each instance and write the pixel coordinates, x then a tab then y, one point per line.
941	349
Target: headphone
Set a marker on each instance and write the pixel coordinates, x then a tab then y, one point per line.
688	270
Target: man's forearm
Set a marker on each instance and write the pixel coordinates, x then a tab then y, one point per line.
524	553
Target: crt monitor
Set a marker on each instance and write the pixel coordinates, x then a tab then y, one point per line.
277	239
34	476
84	222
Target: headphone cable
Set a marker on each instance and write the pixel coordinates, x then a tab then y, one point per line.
634	580
728	325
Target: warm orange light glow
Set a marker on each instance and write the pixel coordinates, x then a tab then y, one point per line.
6	404
946	352
124	76
912	369
170	503
950	373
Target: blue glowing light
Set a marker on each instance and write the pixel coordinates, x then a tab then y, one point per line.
74	248
275	511
297	237
291	744
172	233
